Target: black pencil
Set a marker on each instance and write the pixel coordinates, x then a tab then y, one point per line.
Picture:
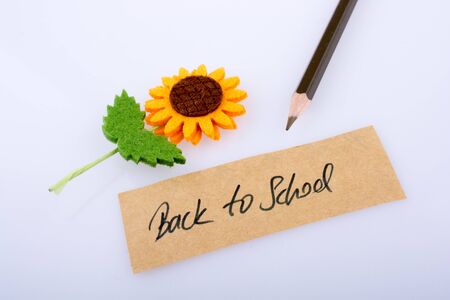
319	62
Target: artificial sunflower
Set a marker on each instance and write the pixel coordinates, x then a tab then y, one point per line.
190	103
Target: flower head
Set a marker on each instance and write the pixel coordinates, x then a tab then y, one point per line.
190	104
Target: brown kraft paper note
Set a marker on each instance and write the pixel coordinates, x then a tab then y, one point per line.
203	211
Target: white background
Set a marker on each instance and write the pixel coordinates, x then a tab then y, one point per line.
62	62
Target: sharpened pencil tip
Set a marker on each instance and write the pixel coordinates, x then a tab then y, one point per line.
290	121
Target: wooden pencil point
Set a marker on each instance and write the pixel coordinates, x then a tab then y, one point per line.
299	103
290	121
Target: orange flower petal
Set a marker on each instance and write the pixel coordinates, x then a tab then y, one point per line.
223	120
233	109
182	73
158	92
197	137
189	128
173	126
235	95
159	130
160	117
207	126
177	138
147	119
201	70
216	133
230	83
218	74
155	105
168	81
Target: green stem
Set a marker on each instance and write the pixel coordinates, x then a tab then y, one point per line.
58	187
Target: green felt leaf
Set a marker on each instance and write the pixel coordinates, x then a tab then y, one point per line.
124	116
124	125
144	146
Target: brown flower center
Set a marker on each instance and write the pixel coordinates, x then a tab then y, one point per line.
196	96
